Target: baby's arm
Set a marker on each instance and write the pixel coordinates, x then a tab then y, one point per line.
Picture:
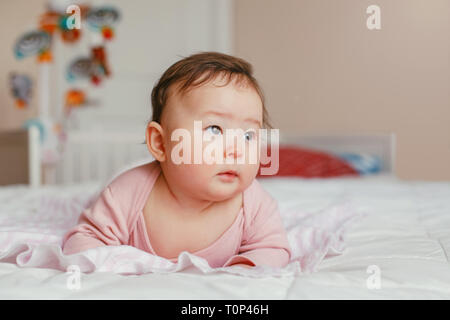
265	240
101	224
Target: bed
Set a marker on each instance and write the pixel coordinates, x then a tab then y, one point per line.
397	249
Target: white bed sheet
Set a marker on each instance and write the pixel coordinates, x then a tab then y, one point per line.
405	235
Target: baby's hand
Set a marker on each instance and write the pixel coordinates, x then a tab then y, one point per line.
241	265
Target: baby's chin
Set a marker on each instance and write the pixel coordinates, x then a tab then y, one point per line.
221	191
218	190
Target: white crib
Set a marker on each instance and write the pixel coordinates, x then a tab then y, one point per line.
97	156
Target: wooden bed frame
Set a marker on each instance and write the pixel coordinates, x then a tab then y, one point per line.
20	157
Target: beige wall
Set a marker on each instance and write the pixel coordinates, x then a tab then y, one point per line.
323	71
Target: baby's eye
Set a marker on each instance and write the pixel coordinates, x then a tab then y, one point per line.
214	129
249	135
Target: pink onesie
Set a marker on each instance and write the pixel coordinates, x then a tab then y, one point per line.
116	218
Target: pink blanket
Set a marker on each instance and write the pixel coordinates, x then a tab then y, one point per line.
32	228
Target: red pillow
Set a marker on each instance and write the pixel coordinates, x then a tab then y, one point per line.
299	162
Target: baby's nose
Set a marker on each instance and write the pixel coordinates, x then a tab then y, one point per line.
233	150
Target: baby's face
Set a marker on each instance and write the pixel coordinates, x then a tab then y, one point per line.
219	108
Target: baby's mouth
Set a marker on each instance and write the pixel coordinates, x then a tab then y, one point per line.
228	175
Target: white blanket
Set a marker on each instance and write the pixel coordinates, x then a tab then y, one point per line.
33	238
398	250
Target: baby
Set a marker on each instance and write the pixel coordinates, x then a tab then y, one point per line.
216	210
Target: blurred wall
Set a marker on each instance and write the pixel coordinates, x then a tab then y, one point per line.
323	71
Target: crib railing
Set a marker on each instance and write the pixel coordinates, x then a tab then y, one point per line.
98	156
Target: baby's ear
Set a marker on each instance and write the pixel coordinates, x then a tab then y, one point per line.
155	141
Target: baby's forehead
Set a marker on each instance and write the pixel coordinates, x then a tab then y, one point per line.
218	95
214	97
226	104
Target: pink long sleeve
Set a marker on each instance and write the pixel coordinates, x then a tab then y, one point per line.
257	237
264	240
101	224
111	220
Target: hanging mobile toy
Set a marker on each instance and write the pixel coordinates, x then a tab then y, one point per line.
48	22
21	86
94	68
99	56
103	19
81	68
34	43
85	68
75	98
68	34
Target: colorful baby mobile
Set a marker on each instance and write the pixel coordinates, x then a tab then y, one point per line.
68	24
39	43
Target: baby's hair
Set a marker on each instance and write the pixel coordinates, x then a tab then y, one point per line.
198	69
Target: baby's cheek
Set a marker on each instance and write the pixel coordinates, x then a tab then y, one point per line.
195	173
248	173
186	175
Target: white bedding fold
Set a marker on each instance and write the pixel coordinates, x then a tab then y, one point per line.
32	224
